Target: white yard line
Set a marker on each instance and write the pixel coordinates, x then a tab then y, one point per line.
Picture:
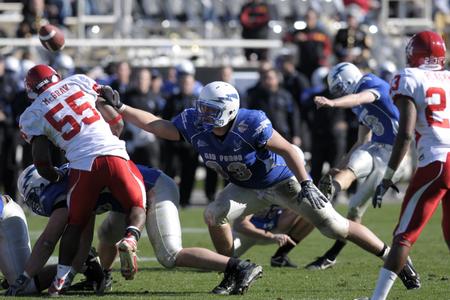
194	230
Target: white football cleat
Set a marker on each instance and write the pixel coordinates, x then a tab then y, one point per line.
128	259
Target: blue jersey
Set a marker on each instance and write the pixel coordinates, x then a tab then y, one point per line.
268	219
54	195
241	156
381	116
1	206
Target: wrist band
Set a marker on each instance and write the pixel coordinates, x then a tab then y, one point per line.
122	108
116	120
389	173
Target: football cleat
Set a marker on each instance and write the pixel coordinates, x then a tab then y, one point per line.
409	276
128	259
321	263
55	288
245	274
226	285
108	280
326	187
282	261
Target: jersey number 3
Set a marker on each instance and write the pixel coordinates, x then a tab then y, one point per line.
69	119
433	121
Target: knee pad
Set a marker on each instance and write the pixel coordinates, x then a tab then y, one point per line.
335	227
215	214
163	223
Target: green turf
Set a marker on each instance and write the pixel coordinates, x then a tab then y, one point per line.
354	275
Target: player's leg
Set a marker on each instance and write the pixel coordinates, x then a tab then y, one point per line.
427	188
127	185
232	202
84	189
297	228
14	244
446	218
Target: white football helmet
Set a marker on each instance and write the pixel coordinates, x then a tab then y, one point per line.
217	104
343	78
30	184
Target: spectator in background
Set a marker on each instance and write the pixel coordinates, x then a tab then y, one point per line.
142	145
171	85
329	129
10	70
156	87
386	70
313	45
264	66
180	156
278	104
296	83
64	65
32	12
254	18
351	43
121	78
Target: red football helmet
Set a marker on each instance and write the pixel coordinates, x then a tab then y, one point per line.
39	78
426	48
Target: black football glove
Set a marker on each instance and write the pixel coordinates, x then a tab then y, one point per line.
312	194
381	190
111	96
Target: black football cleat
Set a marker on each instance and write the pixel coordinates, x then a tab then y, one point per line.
245	274
409	276
282	261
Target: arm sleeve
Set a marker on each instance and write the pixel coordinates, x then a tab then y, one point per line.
184	124
87	84
403	84
30	125
262	130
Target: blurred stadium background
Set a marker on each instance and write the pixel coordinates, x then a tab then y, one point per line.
114	40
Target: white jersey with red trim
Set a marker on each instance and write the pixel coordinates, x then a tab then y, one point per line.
430	91
66	114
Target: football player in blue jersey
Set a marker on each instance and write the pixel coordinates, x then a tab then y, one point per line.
272	225
262	167
368	97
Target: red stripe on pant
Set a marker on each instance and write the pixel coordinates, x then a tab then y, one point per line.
429	186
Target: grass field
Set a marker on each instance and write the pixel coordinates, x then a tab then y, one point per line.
354	275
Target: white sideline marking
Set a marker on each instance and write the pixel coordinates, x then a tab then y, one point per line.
195	230
54	259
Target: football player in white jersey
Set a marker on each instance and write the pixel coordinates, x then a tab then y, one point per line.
420	91
63	112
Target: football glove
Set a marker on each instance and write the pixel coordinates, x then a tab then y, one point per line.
381	190
111	96
312	194
18	286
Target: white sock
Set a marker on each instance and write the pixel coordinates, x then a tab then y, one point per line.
62	271
384	284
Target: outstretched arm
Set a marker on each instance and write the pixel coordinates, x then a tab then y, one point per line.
347	101
151	123
246	227
140	118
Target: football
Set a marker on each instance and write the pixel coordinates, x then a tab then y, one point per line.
51	37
